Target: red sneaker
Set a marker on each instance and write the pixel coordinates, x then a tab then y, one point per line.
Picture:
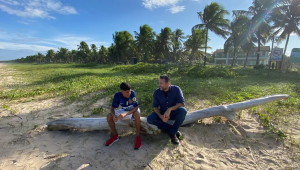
112	140
138	143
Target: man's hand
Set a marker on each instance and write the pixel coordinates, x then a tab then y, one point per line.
167	114
162	117
121	116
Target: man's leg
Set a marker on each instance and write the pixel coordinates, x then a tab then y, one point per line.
138	142
179	116
155	120
111	123
136	116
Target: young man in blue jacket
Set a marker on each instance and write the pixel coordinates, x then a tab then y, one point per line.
169	98
130	109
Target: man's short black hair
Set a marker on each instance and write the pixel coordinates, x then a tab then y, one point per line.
125	86
165	77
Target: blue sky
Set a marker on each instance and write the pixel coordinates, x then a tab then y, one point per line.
31	26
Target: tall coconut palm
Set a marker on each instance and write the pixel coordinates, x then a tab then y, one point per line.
260	28
83	51
50	55
238	34
163	44
177	40
94	50
103	54
195	42
112	53
213	19
144	41
286	19
122	40
248	46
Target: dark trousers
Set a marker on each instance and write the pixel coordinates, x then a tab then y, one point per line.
177	115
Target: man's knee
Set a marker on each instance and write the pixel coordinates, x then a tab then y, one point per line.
182	111
109	116
136	114
150	119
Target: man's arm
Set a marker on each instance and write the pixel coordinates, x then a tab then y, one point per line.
157	111
155	106
176	106
180	103
133	110
121	116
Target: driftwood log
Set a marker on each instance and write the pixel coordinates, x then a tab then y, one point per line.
227	111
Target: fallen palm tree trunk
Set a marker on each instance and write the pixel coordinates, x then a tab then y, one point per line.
227	111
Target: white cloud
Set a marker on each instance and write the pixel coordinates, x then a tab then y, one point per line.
176	9
151	4
17	46
35	8
22	22
10	2
14	43
172	5
68	10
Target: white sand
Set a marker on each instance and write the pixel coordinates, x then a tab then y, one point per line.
25	144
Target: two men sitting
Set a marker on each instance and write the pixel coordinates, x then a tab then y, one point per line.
168	104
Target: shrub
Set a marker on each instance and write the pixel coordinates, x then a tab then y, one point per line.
259	67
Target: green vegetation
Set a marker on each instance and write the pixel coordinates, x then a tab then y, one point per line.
214	85
264	20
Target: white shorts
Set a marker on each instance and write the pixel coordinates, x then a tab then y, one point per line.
120	111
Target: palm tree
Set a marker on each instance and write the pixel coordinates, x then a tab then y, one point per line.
62	55
73	55
260	28
103	54
163	43
238	29
144	41
177	41
112	53
248	46
50	55
195	42
286	19
213	19
122	40
83	51
40	57
95	53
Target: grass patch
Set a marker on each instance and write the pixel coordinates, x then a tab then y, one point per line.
6	107
100	111
215	85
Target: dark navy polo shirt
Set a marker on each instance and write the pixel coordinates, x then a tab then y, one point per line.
126	103
175	96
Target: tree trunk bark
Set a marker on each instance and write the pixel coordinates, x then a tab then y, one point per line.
205	46
258	49
234	52
227	111
246	59
271	51
286	44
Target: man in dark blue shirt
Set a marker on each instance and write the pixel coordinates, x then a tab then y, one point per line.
170	100
129	103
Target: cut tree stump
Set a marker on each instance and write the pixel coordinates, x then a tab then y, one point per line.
227	111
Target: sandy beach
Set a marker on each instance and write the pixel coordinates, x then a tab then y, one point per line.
26	144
